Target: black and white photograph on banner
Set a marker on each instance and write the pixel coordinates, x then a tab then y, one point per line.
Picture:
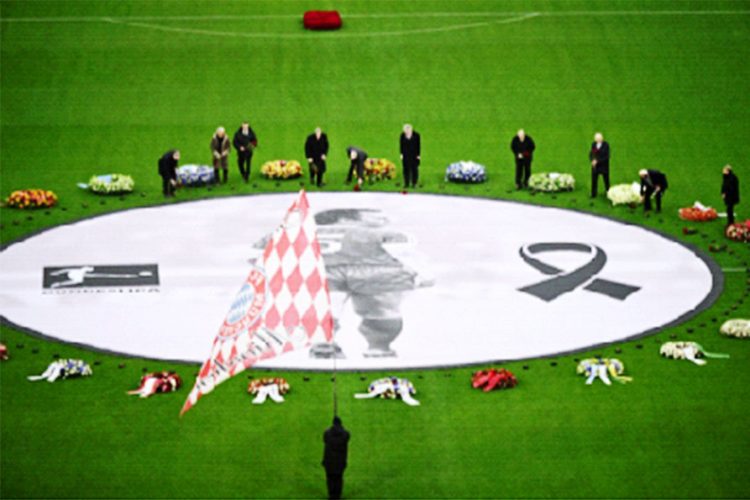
417	281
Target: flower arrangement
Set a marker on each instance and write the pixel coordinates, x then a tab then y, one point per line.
255	385
698	213
281	169
62	369
268	387
111	184
195	175
739	231
155	382
738	328
692	351
467	172
493	378
625	194
31	198
378	169
391	388
603	368
551	182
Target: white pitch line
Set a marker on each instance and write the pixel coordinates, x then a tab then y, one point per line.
94	19
337	35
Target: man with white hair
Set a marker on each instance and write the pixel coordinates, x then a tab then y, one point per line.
523	148
653	182
411	155
220	150
599	157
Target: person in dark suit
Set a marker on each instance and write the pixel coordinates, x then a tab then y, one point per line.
599	156
653	182
357	157
523	148
245	143
336	440
730	192
411	155
316	149
168	171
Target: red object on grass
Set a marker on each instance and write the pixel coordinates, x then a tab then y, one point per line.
322	20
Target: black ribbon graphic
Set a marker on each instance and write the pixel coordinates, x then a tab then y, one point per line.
562	283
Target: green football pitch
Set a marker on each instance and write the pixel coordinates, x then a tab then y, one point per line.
93	87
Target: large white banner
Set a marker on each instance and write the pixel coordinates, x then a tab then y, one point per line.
416	280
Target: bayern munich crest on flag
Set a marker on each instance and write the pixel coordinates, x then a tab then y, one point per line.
283	305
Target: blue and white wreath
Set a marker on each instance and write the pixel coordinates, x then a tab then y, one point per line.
466	172
195	175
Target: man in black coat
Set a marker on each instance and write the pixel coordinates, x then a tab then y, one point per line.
599	157
730	192
653	182
411	155
316	149
336	440
245	142
357	157
168	171
523	148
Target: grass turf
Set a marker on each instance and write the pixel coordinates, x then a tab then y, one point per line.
93	96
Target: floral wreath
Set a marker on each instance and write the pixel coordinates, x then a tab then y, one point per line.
739	231
377	169
195	175
281	169
467	172
255	385
493	378
687	350
551	182
625	194
394	383
614	367
698	213
168	381
738	328
31	198
111	184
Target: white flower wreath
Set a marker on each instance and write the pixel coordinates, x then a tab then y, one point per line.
739	328
692	351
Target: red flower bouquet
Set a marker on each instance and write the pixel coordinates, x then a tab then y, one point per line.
321	20
493	378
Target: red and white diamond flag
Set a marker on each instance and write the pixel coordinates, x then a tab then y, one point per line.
283	305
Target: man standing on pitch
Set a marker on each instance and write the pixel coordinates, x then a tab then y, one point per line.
599	156
316	149
336	440
168	171
653	182
357	157
730	192
220	150
411	151
523	147
245	142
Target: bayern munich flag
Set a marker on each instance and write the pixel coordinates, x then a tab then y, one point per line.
283	305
